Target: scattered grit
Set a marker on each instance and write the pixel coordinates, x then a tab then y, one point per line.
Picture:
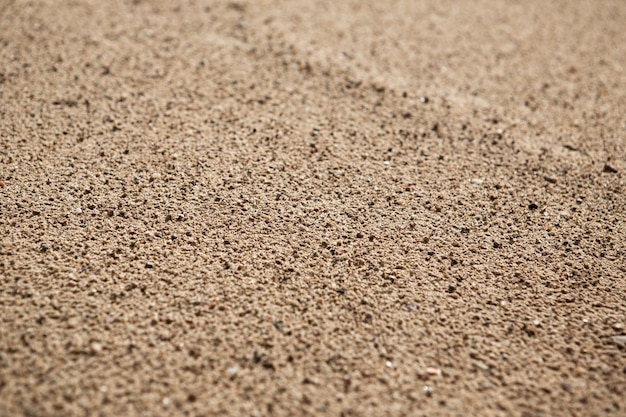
342	208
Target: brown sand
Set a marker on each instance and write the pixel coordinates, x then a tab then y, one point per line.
343	208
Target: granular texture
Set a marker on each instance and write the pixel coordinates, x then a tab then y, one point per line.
341	208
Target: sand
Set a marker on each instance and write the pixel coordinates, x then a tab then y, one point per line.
341	208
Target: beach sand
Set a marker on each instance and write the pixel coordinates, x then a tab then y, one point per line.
284	208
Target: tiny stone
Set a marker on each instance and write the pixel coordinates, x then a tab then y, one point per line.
78	210
155	175
44	247
609	169
432	371
451	289
620	340
477	181
533	206
481	365
149	265
412	306
96	348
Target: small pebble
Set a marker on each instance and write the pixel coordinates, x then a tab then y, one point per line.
620	340
609	169
412	306
155	175
432	371
149	265
481	365
477	181
95	348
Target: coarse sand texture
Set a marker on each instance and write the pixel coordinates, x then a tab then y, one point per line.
313	208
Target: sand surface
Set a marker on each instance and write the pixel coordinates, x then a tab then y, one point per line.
341	208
